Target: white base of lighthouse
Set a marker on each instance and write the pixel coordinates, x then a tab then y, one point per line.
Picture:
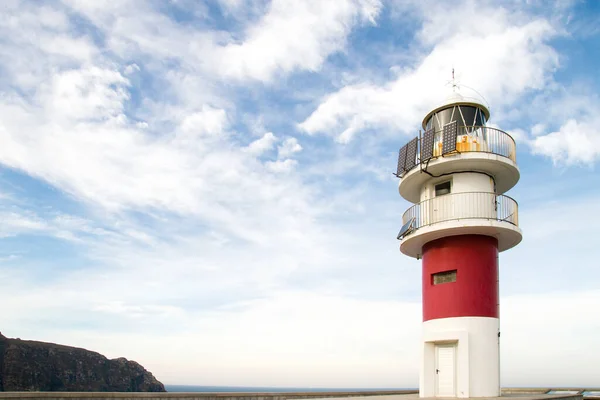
460	358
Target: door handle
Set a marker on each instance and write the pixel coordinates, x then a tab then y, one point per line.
437	371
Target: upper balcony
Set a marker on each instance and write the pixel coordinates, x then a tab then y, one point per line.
468	213
456	148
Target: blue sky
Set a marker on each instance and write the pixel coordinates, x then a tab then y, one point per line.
207	188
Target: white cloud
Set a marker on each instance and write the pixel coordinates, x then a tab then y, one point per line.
304	339
284	166
519	135
206	122
15	223
289	36
22	221
529	344
210	186
138	312
288	148
538	129
265	143
169	196
131	68
75	135
569	133
574	143
85	94
294	35
40	41
287	339
501	56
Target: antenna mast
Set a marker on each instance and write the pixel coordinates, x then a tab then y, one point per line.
454	85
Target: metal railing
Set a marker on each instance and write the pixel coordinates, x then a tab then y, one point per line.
487	140
471	139
467	205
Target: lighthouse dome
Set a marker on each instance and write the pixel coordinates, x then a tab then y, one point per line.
466	111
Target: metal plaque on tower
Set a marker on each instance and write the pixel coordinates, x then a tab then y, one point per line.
411	154
449	140
427	145
401	160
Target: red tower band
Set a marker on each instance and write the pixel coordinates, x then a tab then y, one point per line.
470	263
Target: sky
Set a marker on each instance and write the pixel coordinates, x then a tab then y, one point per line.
207	188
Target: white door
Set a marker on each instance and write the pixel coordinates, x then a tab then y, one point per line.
445	370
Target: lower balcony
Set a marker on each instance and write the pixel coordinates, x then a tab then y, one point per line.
460	214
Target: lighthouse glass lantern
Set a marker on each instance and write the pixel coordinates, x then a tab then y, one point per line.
455	174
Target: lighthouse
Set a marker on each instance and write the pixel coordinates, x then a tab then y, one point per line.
455	174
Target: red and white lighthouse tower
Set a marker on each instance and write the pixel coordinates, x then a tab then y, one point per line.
456	173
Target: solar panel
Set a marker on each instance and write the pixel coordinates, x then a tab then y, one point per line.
449	140
411	154
406	228
401	160
427	145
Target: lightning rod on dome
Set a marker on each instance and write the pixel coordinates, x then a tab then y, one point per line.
456	85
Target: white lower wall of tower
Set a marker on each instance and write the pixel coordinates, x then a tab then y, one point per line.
477	361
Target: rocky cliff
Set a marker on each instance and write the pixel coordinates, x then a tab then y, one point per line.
38	366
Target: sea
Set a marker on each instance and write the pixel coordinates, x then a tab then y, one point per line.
259	389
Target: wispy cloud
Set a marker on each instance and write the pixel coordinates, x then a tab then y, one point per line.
501	55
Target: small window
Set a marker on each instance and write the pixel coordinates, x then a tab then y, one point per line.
443	277
442	188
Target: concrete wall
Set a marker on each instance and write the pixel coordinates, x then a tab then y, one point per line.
265	396
190	396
